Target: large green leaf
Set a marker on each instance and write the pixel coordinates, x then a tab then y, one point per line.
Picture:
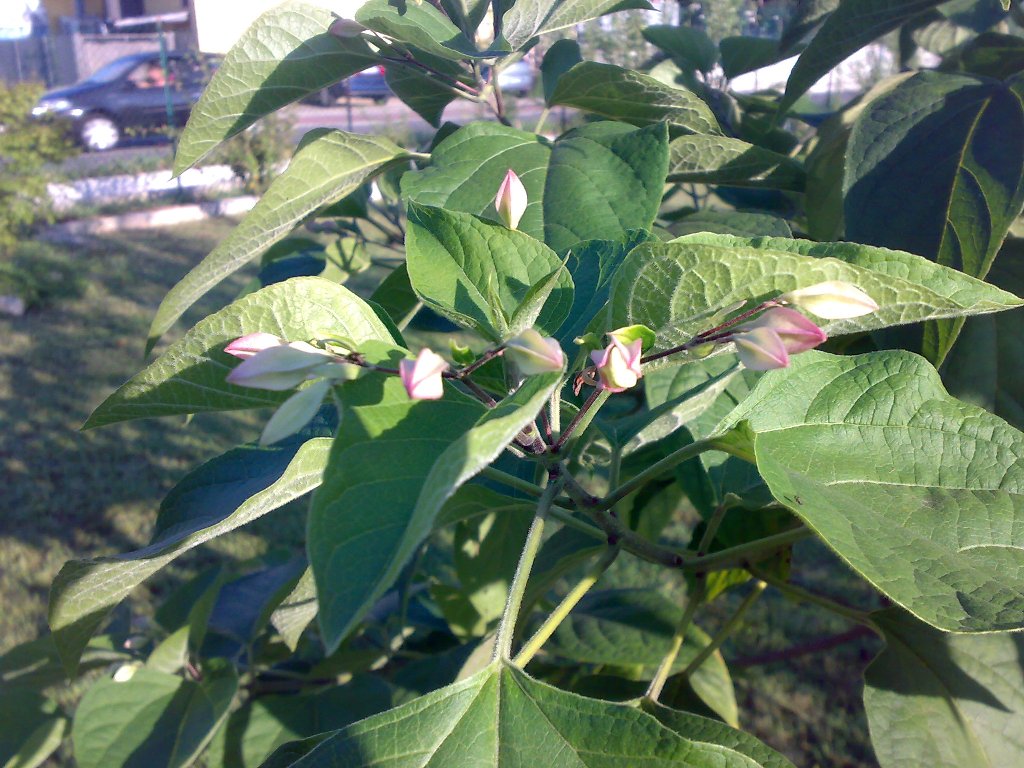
421	25
286	54
367	519
328	165
633	628
592	264
460	265
153	720
190	376
296	611
528	18
852	25
986	366
955	139
745	54
921	494
670	287
220	496
711	731
739	223
257	729
688	47
719	160
500	718
614	177
613	174
942	700
622	94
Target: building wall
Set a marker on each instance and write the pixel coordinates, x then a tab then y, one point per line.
57	8
219	23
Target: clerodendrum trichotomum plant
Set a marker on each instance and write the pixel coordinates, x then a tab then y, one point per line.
592	393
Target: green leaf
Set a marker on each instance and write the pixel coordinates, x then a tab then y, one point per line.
396	296
528	18
190	376
708	731
152	720
633	628
286	54
296	611
739	223
921	494
456	260
366	521
672	287
421	25
425	94
613	174
688	47
852	25
986	366
36	664
220	496
592	264
486	550
745	54
622	94
991	54
603	180
41	743
720	160
327	166
562	56
953	138
501	717
252	733
23	712
945	701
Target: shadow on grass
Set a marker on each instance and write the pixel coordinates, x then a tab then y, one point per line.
68	493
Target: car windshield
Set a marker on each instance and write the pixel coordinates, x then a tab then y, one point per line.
108	73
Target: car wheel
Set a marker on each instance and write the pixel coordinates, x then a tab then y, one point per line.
99	133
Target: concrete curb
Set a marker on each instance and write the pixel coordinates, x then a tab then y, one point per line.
155	217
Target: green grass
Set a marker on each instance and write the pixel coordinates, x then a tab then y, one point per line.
68	493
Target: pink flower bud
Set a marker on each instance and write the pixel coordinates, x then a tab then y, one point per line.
246	346
532	353
279	367
511	200
798	334
618	364
422	376
832	300
761	349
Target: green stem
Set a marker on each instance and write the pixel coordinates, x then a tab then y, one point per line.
799	594
618	532
555	414
744	554
569	602
513	482
712	528
727	629
507	627
584	416
657	468
541	119
665	668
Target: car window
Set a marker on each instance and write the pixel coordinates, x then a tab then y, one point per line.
108	73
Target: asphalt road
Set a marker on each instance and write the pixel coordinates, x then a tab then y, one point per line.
359	116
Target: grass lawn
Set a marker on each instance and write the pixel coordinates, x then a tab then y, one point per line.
69	494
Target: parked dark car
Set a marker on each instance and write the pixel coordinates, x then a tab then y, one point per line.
129	97
368	84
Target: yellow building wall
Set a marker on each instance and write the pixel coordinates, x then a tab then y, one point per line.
220	23
57	8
